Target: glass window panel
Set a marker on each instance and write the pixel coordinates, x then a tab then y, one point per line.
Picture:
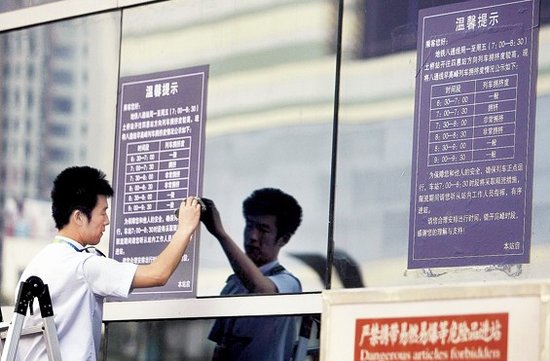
375	148
45	126
270	105
189	339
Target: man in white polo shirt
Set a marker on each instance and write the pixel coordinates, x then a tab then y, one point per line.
78	277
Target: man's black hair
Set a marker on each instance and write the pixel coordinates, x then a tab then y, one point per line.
272	201
77	188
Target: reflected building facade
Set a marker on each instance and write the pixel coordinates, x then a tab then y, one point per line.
47	114
56	112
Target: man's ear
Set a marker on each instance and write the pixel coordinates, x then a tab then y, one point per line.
283	239
78	217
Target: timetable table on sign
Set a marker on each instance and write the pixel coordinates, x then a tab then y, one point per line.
157	175
473	121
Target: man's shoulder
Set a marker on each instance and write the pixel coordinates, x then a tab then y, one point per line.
285	281
278	268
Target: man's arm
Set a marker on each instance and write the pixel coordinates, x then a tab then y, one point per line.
159	271
249	274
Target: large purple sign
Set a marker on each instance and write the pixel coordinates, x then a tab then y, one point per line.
473	136
158	162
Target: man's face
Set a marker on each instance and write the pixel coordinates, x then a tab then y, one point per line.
95	226
260	239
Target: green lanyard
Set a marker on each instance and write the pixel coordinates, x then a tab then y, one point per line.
61	240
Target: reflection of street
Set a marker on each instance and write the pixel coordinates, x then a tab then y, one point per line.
17	253
28	227
27	218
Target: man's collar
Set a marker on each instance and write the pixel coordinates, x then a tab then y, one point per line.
268	266
71	242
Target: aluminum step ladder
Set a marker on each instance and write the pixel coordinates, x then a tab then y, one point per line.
30	289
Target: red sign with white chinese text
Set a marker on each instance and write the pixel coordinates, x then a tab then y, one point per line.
480	337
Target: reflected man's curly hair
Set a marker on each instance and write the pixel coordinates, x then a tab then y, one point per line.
273	201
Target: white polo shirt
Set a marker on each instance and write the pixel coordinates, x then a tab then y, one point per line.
78	283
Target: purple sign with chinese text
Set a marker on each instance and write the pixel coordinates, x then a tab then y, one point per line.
472	171
159	156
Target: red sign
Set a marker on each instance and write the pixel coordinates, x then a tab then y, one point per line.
479	337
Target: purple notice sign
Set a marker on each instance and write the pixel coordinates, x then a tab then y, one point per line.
158	162
472	166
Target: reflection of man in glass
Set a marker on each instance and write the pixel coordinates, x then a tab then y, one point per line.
271	217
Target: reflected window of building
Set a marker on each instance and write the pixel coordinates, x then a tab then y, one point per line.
62	76
61	104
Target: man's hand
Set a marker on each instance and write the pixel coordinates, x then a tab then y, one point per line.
211	219
159	271
189	215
